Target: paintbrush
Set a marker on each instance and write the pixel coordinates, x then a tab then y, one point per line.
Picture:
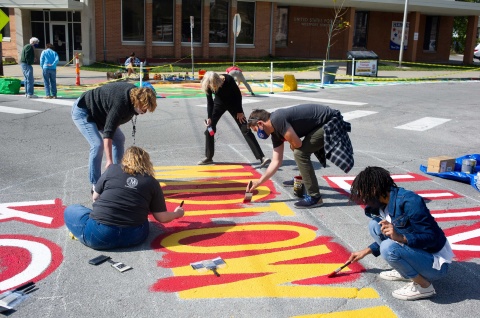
338	269
248	195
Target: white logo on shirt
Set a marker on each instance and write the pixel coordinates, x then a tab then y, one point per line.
132	182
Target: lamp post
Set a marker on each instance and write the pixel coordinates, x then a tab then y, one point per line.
404	25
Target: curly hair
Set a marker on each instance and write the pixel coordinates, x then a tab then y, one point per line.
372	183
212	81
256	115
144	99
137	161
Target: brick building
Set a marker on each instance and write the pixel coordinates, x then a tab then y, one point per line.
107	30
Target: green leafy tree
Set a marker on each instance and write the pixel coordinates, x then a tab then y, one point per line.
460	31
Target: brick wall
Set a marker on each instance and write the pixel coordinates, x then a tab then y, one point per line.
9	49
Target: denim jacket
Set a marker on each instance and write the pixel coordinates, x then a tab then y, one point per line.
411	217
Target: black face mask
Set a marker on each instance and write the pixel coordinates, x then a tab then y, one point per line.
375	204
373	207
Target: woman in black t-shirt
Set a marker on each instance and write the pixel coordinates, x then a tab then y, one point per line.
227	98
124	196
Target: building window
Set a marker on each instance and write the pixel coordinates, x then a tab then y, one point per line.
247	13
162	19
192	8
360	30
6	29
133	20
431	34
219	21
281	40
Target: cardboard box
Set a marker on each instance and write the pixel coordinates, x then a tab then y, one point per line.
441	164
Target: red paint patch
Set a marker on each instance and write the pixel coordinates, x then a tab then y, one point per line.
178	284
54	211
14	264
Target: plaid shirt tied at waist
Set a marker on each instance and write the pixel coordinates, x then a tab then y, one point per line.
338	147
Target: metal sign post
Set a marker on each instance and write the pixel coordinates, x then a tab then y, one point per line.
191	42
237	26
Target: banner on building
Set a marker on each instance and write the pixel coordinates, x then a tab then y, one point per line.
396	36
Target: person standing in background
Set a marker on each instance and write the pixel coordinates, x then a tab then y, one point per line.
48	63
237	74
27	59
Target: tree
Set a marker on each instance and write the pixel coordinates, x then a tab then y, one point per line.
336	25
460	31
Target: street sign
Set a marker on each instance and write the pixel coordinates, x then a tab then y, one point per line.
237	24
3	21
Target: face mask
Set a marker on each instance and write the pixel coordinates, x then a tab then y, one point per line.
35	45
375	204
262	134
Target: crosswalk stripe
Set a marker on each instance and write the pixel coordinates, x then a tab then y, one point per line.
317	100
423	124
356	114
14	110
244	101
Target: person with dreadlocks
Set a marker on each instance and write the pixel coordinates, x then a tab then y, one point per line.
405	233
103	110
124	197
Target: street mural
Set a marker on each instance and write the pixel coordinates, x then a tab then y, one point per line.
278	257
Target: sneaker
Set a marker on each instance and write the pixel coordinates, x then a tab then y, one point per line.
288	183
46	97
393	275
206	161
252	93
264	162
413	291
53	97
308	202
32	96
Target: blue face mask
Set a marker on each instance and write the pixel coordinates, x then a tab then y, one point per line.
262	134
35	45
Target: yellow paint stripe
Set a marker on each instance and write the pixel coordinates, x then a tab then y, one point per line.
372	312
281	208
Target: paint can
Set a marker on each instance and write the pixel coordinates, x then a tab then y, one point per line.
468	165
298	186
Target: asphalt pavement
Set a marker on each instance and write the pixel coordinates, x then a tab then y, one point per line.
277	257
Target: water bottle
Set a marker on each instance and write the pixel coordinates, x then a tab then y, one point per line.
210	129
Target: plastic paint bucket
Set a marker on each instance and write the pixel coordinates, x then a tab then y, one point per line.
468	165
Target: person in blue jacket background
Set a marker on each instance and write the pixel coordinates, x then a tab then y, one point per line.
405	233
48	63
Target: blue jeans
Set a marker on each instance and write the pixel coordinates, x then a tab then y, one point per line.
90	131
50	81
101	236
28	74
408	261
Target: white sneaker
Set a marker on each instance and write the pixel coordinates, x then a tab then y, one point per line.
393	275
413	291
32	96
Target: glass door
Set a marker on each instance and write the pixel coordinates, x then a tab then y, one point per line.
59	36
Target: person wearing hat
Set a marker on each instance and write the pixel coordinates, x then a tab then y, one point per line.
27	58
237	74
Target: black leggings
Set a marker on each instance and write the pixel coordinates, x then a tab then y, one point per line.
246	132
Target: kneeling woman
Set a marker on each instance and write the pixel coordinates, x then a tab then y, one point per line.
124	196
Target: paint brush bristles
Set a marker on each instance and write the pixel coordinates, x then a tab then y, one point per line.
248	195
338	269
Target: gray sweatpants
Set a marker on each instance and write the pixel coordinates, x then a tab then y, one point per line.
238	76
